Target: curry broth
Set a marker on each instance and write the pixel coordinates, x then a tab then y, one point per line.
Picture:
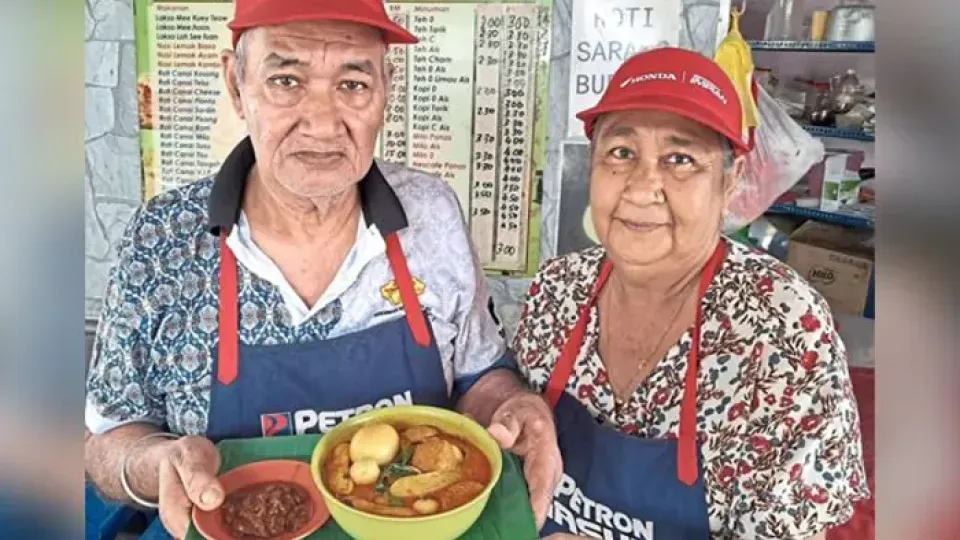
474	474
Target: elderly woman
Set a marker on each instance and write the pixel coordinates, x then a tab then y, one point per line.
700	388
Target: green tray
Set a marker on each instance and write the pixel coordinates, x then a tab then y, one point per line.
507	516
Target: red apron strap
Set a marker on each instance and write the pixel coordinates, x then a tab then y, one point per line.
568	357
229	341
687	466
408	294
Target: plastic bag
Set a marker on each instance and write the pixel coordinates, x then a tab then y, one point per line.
782	153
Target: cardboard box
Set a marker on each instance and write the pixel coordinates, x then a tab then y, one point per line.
836	261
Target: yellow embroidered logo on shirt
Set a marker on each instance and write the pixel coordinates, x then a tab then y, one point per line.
391	292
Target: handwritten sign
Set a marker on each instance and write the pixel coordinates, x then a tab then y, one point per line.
606	33
463	107
486	105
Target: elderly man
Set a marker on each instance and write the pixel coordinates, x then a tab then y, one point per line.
304	283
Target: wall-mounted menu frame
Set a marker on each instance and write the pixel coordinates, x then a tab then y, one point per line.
472	112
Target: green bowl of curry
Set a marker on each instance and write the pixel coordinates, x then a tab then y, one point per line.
409	471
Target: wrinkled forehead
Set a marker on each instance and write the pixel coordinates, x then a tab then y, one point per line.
310	38
650	124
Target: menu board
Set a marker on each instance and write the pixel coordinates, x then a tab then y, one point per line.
181	91
465	104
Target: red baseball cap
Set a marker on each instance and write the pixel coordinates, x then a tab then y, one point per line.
677	81
253	13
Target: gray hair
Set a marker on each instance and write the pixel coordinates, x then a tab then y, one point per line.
725	146
240	55
728	156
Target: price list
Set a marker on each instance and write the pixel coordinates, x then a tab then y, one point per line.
517	56
483	195
462	107
393	136
439	84
185	86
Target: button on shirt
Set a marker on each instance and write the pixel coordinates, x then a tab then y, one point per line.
157	333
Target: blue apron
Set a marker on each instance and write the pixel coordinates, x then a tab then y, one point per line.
283	389
621	487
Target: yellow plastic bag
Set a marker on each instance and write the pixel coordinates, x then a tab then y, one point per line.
735	58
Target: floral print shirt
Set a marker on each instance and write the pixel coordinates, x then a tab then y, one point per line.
777	419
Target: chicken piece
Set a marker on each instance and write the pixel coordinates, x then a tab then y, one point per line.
458	494
340	482
436	454
341	455
341	485
419	434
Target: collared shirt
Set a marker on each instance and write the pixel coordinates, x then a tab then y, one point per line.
153	354
367	246
776	415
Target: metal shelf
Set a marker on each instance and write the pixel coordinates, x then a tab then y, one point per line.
846	219
815	46
837	133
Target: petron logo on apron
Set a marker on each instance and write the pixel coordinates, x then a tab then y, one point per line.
620	487
310	387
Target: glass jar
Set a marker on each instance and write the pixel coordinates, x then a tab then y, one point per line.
784	21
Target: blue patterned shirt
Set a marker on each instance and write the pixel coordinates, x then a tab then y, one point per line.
153	353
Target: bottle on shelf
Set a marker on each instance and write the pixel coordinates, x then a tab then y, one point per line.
818	25
784	21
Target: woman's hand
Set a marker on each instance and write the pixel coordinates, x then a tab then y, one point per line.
524	426
565	536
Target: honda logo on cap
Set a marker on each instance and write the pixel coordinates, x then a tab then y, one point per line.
662	76
696	80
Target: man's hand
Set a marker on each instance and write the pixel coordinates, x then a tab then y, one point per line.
523	425
565	536
188	477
